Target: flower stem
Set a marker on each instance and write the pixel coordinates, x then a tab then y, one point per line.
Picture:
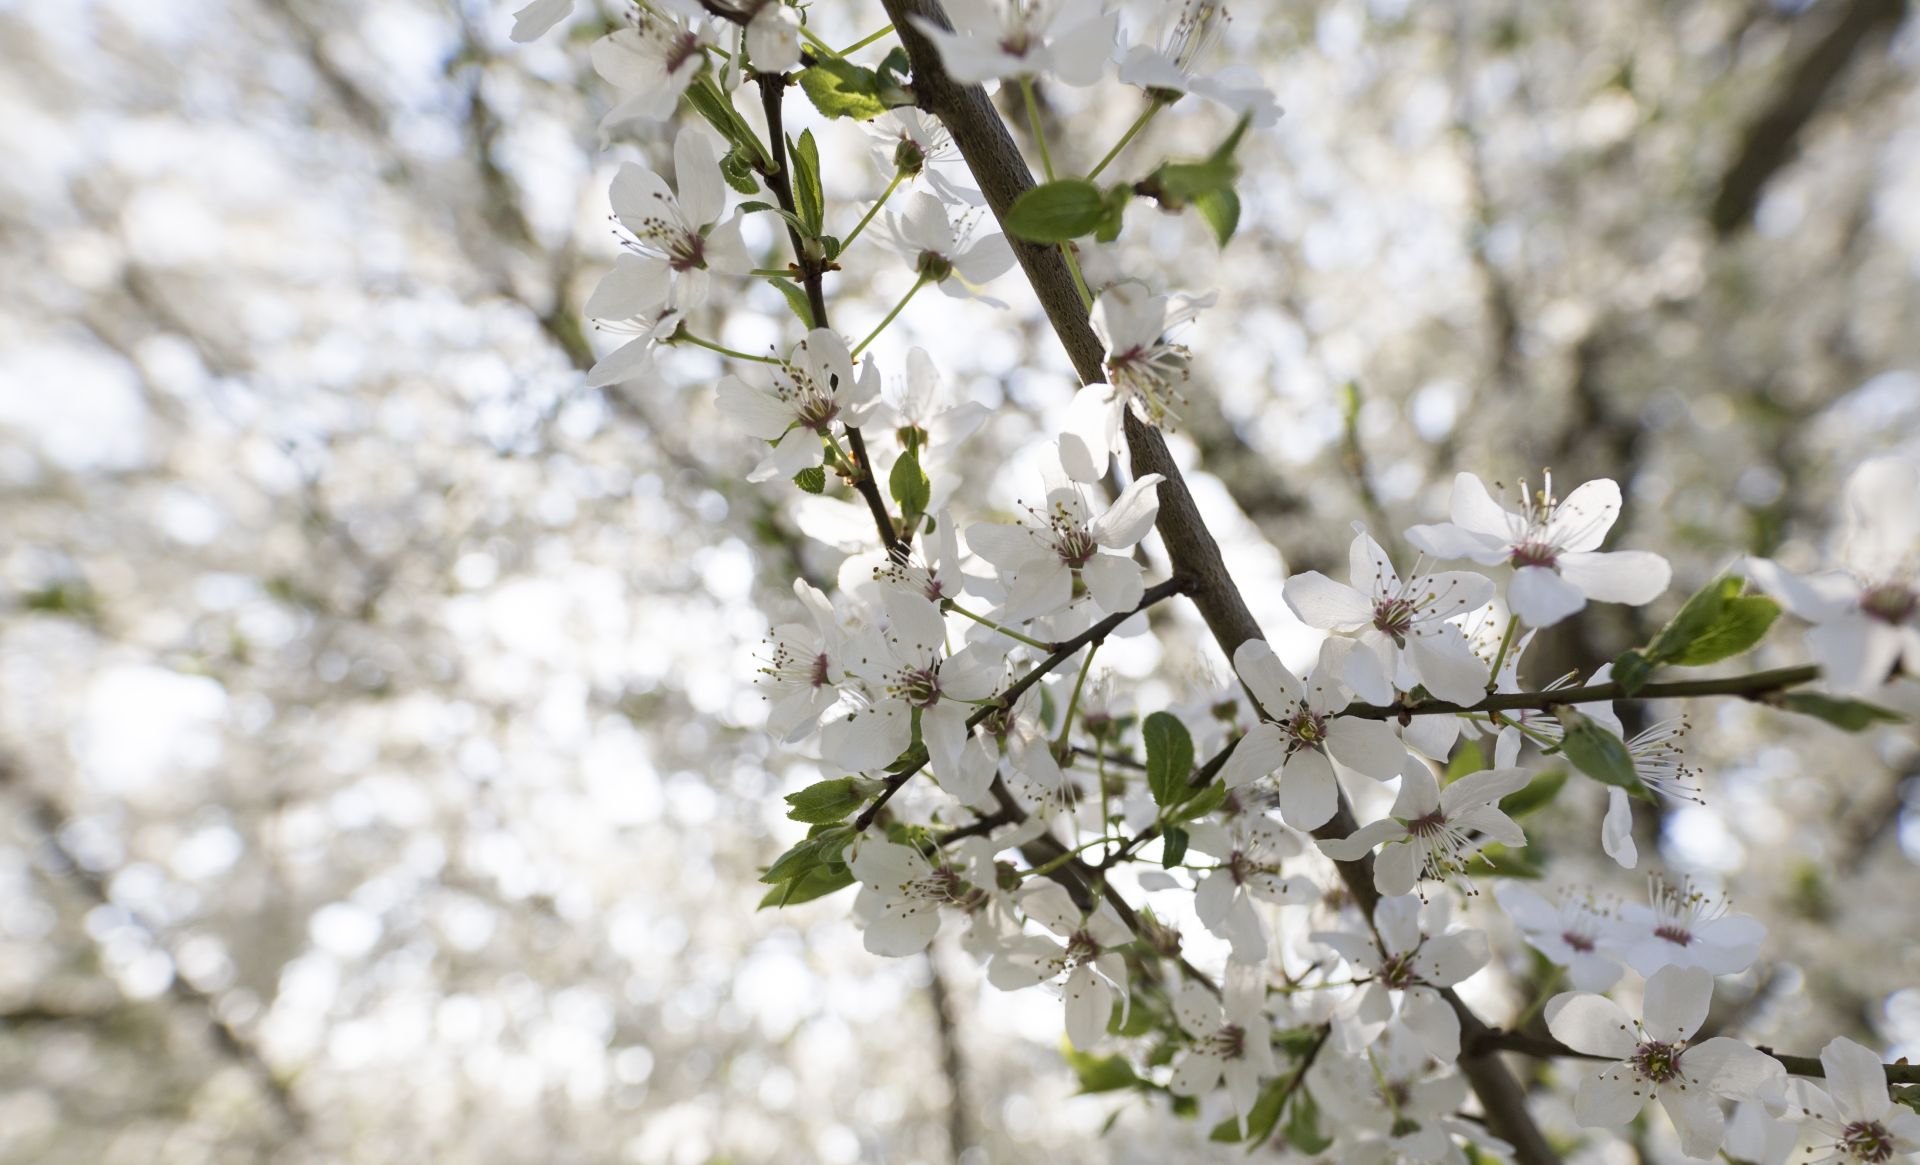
816	42
1033	122
709	345
875	209
1009	632
882	326
1060	859
1139	123
1079	280
1500	658
1073	701
864	41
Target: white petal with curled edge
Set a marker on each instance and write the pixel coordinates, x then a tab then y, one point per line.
1634	577
1607	1099
1696	1116
1616	830
1472	508
773	38
1448	666
1855	652
1368	747
1049	904
1677	999
1883	517
1214	899
1452	958
1269	680
703	193
1592	1024
1482	788
1541	597
1435	1024
533	22
623	363
903	928
1089	1004
1308	793
1323	603
1738	1072
1446	540
1259	753
1196	1074
1086	439
1397	870
1132	514
1583	517
1398	920
1114	582
1361	841
1856	1079
637	286
1815	597
1198	1011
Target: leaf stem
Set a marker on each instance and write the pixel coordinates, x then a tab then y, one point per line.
1033	122
882	325
1152	111
873	210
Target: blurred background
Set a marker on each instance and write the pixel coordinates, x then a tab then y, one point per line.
380	769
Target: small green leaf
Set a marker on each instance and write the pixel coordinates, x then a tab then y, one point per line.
1303	1125
1174	846
910	488
1537	795
1839	711
1221	209
1056	212
796	299
839	88
818	882
1203	803
808	197
812	479
1600	754
1631	670
821	845
1261	1118
737	168
1100	1073
1169	757
1177	183
825	802
1743	622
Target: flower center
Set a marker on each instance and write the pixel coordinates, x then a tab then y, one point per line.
680	50
1657	1062
1397	972
1867	1141
1432	825
821	671
1577	941
1081	948
1889	603
920	686
1677	935
1532	554
1395	618
1307	729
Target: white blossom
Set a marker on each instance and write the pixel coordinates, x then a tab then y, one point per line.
1234	1041
533	21
901	894
1173	67
804	666
1061	40
1866	616
918	146
653	59
956	256
1046	559
1654	1058
1403	626
772	37
1576	931
1251	852
1552	546
1088	957
1433	833
1852	1120
1299	736
1685	926
805	395
1144	375
1407	956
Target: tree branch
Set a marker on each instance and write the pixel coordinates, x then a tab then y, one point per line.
1545	1048
1752	686
996	163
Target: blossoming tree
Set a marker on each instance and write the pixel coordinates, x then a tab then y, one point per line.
946	676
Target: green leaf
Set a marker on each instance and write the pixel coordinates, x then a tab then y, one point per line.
737	168
1056	212
796	299
1100	1073
1743	622
1631	670
1839	711
812	479
1537	795
1303	1125
1169	757
818	882
820	846
1221	209
808	198
1600	754
1468	758
717	108
910	488
895	66
1261	1118
825	802
839	88
1177	183
1174	846
1203	803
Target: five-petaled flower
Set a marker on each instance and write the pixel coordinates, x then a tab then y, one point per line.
1432	833
1853	1120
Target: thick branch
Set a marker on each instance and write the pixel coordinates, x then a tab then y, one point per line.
1752	686
996	163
